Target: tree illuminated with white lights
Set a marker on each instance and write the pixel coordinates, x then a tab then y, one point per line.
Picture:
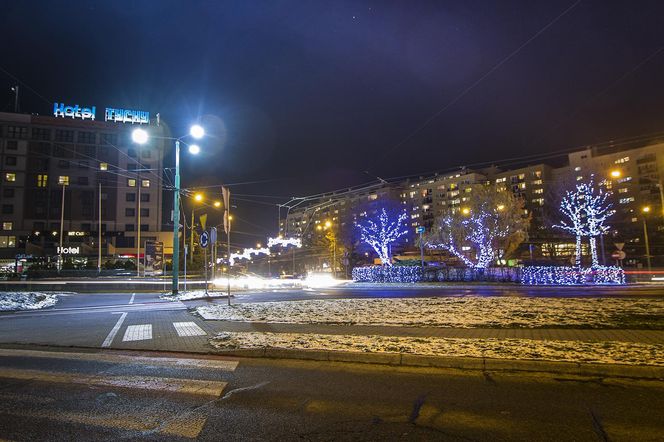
488	227
381	231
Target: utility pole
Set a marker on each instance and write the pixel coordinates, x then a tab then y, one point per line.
138	230
62	225
645	237
99	229
191	238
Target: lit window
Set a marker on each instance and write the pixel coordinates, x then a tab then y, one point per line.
131	182
371	197
539	191
537	174
539	201
634	220
577	168
522	176
11	177
624	180
626	200
623	190
501	180
42	180
63	180
537	183
103	166
522	186
579	178
621	160
145	183
7	225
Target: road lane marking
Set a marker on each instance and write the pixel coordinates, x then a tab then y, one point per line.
114	331
131	301
141	332
172	385
188	329
217	364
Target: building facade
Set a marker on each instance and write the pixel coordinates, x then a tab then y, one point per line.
93	170
633	176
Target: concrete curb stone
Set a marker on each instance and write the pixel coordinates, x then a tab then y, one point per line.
462	363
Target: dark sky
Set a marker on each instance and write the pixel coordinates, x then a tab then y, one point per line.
310	94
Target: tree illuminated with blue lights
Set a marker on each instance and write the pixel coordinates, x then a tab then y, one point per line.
381	231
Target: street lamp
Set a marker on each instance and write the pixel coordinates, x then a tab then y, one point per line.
196	132
645	211
616	173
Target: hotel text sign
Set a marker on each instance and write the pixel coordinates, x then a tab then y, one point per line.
111	114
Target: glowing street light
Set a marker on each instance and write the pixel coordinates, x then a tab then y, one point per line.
197	131
139	136
194	149
198	197
217	204
501	207
616	173
465	211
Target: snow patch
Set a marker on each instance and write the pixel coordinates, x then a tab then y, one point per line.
26	300
455	312
193	294
608	352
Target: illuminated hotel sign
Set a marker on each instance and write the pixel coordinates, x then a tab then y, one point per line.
111	114
76	111
127	116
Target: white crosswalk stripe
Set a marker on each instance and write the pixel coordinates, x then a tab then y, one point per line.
188	329
140	332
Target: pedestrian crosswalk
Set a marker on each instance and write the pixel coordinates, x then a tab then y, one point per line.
144	332
140	332
188	329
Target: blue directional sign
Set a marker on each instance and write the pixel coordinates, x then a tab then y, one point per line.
205	240
420	229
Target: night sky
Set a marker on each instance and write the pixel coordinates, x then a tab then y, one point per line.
305	96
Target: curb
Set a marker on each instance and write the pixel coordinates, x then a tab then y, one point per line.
461	363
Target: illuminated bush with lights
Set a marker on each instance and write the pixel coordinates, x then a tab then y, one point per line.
403	274
566	275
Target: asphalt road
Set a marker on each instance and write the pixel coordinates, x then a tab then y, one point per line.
144	321
110	395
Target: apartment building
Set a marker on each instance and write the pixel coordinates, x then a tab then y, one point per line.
631	174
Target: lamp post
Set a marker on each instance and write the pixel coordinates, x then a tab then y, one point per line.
645	211
63	182
141	136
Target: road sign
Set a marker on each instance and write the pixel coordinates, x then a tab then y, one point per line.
213	235
420	229
619	255
619	245
205	240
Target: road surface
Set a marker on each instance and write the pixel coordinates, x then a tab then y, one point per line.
111	395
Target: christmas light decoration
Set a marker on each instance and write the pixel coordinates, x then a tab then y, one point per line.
246	254
397	274
587	209
567	275
597	211
381	233
476	234
284	242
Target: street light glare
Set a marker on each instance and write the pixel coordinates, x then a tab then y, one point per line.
198	197
616	173
646	209
194	149
197	131
217	204
139	136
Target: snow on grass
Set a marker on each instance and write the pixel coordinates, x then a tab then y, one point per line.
26	300
456	312
609	352
193	294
